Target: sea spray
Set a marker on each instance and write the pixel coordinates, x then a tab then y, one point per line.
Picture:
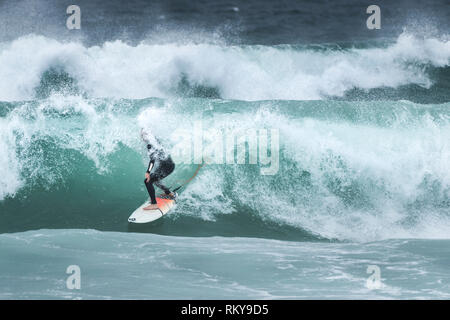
347	170
35	66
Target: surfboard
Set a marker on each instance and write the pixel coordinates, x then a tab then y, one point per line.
165	204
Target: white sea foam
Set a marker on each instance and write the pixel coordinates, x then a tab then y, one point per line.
337	179
116	69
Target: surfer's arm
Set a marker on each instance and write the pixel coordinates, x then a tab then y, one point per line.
150	165
147	173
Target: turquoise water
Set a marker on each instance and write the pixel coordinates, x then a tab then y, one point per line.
146	266
358	184
359	171
350	168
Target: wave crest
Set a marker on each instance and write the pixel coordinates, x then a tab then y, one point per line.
119	70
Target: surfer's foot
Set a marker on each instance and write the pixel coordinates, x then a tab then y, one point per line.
151	207
173	195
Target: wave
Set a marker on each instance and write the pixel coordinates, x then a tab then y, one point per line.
346	171
36	66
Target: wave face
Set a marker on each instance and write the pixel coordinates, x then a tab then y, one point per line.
410	67
347	170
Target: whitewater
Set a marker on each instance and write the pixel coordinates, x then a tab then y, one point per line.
363	177
287	72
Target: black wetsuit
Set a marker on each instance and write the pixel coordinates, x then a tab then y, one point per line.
159	167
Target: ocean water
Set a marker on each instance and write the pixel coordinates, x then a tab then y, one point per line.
357	125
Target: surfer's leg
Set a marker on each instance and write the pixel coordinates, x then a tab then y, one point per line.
151	190
163	171
162	187
165	168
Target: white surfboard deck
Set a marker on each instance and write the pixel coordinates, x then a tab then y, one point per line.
145	216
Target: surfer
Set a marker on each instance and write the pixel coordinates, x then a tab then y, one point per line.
159	167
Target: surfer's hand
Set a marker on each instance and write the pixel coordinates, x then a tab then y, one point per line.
147	176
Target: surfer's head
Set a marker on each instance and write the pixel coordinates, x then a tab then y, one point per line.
149	139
